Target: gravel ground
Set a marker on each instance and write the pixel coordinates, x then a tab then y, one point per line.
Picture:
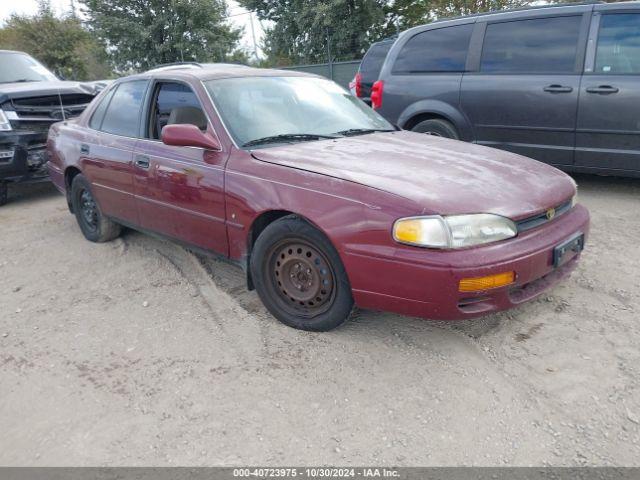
138	352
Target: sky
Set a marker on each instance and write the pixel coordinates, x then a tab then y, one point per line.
237	16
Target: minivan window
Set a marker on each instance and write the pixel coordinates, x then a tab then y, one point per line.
123	113
619	44
98	113
438	50
541	45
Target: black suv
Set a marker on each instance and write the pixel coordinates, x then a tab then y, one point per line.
560	84
31	99
369	69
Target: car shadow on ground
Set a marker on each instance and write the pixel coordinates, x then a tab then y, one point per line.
31	192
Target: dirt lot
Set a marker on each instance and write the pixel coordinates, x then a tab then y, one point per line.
137	352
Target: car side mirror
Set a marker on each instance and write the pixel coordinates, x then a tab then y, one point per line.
188	135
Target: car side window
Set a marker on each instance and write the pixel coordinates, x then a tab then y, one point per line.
540	45
98	113
123	112
174	103
438	50
618	49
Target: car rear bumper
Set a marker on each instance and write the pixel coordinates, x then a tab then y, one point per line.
425	283
22	156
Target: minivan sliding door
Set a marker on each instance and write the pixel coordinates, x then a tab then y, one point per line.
524	95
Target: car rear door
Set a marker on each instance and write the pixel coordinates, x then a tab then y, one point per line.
523	94
608	130
180	190
107	149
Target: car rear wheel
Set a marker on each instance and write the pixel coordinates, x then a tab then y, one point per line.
4	193
299	276
437	128
94	225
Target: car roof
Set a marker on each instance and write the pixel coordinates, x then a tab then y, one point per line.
515	13
213	71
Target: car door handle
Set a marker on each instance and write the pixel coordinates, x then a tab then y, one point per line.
603	89
558	89
84	149
142	161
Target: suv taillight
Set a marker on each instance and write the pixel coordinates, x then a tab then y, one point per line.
376	94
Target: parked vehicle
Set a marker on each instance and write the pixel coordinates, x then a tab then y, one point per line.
369	70
319	199
31	99
560	84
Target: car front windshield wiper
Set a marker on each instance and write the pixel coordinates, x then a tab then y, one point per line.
287	137
352	132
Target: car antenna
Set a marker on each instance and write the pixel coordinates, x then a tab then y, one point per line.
64	117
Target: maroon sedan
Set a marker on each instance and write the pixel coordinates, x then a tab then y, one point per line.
320	200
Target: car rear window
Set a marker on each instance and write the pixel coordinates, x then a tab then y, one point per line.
373	61
619	44
540	45
123	113
439	50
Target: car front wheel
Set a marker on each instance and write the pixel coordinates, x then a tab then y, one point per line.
299	276
437	128
94	225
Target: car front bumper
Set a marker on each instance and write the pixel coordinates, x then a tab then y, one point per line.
425	283
23	156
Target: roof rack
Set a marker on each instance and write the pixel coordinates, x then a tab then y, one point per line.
520	9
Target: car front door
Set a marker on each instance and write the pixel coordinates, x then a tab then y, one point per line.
107	149
608	130
523	95
180	190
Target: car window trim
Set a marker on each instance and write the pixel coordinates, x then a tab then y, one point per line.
580	46
147	109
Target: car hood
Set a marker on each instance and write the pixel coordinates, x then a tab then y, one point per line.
440	175
10	91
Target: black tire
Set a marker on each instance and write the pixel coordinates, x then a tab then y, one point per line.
299	276
438	128
94	225
4	193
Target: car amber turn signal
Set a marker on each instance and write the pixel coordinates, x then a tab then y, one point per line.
476	284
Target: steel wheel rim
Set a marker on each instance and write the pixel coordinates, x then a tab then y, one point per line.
89	210
301	278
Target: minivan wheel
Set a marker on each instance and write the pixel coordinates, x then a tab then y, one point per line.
4	193
437	128
299	276
94	226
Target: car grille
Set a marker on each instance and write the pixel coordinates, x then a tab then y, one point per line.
542	218
47	108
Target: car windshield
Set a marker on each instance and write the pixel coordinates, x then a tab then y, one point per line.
18	67
262	111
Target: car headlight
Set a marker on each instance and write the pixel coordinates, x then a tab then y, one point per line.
5	125
455	231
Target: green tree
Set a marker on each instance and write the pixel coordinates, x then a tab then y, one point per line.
139	34
60	43
301	28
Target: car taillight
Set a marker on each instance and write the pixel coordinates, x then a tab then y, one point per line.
358	84
376	94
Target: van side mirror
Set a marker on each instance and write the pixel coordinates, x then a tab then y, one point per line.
187	135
